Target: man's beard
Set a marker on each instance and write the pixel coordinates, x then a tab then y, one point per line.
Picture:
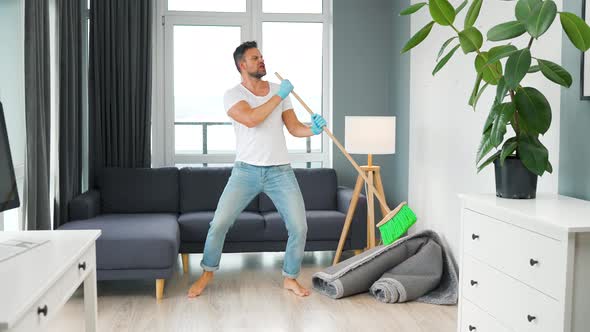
258	74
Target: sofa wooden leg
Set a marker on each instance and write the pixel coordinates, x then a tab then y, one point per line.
160	288
184	263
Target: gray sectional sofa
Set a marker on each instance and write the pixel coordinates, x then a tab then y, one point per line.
149	216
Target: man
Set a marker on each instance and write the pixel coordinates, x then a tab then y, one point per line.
258	110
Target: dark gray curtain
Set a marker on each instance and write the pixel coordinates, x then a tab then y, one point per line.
69	18
37	114
120	84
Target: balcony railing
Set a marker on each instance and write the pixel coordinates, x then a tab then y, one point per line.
205	125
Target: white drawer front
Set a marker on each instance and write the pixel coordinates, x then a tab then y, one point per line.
527	256
513	303
49	303
474	319
30	322
85	264
56	296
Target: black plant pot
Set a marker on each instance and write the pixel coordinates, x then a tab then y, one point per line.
513	180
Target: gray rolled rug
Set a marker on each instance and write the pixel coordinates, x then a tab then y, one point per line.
415	267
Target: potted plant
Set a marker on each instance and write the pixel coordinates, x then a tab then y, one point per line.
519	159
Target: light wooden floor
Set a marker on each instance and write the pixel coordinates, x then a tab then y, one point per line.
246	295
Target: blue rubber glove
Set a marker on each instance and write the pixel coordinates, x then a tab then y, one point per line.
317	123
285	89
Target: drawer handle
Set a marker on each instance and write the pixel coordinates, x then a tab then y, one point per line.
533	262
82	266
473	282
474	236
530	318
42	310
472	328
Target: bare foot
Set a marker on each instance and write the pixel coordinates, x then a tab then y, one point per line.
199	285
295	287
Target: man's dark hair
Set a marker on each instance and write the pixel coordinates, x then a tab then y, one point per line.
240	50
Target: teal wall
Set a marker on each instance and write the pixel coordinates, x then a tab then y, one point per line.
400	103
372	78
574	156
12	93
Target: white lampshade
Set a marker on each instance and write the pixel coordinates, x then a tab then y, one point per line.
369	134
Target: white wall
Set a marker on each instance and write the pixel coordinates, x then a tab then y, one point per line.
12	91
445	132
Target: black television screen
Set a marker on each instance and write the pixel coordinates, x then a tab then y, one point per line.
8	191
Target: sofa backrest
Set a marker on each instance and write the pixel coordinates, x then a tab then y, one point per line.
192	189
201	188
318	187
138	190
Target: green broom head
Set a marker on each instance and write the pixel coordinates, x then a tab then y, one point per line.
394	227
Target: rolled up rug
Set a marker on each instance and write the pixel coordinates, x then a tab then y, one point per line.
357	274
416	276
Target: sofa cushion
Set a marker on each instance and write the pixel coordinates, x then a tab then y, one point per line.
133	241
138	190
249	226
321	225
318	187
201	188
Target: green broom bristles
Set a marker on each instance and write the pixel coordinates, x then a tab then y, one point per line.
398	225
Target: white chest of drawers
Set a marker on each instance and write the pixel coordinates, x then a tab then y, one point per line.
35	284
524	264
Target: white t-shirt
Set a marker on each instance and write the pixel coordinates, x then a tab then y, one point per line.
263	145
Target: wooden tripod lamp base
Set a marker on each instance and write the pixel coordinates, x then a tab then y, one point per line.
373	173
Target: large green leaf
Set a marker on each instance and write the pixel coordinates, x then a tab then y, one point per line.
485	146
491	73
475	90
501	90
508	148
487	127
488	161
444	60
533	153
517	66
418	37
522	124
576	29
470	39
506	30
461	6
534	110
541	18
534	69
555	73
504	114
472	13
442	12
500	52
444	46
549	167
413	8
524	9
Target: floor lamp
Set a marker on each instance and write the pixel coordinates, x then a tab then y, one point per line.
367	135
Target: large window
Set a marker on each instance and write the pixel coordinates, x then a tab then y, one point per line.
196	68
201	73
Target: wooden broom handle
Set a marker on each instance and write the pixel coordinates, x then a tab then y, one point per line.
356	166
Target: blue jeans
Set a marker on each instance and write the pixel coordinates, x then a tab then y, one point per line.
245	183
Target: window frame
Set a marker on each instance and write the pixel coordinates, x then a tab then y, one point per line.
163	127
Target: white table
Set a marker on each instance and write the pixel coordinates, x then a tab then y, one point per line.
35	285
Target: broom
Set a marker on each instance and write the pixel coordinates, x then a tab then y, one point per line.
395	223
403	219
